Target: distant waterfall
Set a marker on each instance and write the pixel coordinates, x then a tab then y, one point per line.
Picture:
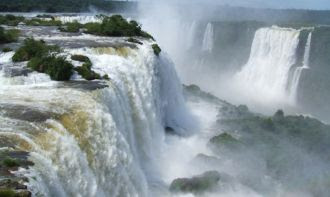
273	53
298	70
191	35
208	38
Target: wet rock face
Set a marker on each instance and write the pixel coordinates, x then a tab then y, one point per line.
11	184
197	184
25	113
15	70
84	85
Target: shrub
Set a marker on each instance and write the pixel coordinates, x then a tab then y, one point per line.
86	71
11	20
40	22
7	193
33	48
6	49
7	36
80	58
56	67
9	162
116	26
73	27
106	77
156	49
93	28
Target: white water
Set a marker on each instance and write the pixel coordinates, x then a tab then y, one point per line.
299	70
208	40
191	30
266	74
83	19
101	143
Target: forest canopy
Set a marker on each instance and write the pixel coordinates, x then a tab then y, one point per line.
52	6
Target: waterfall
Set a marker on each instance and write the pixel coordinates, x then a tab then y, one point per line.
298	70
95	143
191	35
266	73
208	38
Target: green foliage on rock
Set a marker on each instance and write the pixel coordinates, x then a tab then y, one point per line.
116	26
93	28
80	58
73	27
7	193
6	49
133	40
33	48
56	67
197	184
156	49
11	20
225	141
41	22
106	77
86	71
9	162
7	36
71	6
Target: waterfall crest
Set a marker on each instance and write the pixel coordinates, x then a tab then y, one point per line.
96	143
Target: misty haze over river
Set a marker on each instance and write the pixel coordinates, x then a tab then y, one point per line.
202	100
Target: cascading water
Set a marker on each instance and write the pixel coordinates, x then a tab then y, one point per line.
266	73
81	19
95	143
208	41
191	35
299	70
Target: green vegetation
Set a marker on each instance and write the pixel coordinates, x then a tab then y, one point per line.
86	72
41	22
156	49
33	48
91	28
80	58
116	26
56	67
6	49
86	69
9	162
225	141
7	193
7	36
11	20
197	184
46	16
133	40
73	27
52	6
106	77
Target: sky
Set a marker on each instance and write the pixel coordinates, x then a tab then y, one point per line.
298	4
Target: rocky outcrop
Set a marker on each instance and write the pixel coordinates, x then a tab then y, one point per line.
197	184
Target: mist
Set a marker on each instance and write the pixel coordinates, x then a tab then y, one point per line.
245	55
